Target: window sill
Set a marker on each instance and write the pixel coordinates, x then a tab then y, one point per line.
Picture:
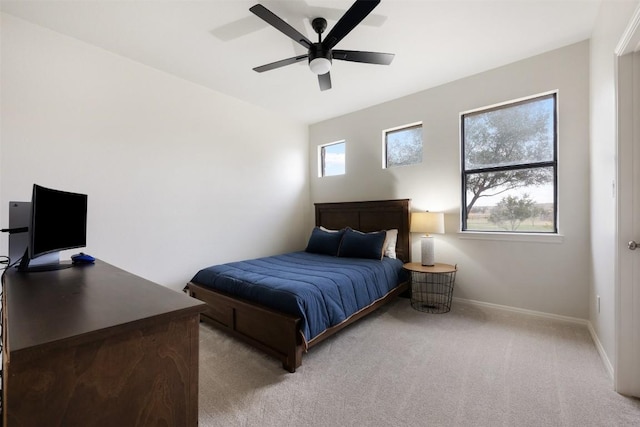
512	237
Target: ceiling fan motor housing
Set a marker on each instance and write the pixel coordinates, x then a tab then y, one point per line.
320	59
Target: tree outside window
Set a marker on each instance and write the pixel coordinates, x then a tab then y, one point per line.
403	146
509	167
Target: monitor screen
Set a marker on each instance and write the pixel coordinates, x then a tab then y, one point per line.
58	221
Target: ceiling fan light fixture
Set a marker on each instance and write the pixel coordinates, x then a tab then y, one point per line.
320	65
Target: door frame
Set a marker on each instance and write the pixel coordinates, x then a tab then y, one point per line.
627	283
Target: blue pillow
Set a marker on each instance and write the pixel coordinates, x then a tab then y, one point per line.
324	242
356	244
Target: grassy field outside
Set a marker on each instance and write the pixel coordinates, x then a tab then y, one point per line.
478	220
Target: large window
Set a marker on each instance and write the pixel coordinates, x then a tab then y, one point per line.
509	167
331	159
403	146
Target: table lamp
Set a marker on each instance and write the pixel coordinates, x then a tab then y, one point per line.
427	222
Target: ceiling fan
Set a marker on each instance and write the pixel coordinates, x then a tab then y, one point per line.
321	54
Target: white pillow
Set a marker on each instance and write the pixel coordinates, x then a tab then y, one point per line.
327	230
390	243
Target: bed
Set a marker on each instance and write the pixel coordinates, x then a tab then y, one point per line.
278	325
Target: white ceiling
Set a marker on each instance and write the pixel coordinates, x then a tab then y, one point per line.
216	43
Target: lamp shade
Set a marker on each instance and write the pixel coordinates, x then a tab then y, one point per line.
427	222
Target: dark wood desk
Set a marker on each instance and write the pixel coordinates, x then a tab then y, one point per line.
96	345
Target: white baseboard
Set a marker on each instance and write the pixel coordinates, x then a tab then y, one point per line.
522	311
603	355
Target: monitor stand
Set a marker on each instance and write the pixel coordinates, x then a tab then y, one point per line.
27	265
46	267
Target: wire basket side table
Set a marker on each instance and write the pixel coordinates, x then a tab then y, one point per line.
432	286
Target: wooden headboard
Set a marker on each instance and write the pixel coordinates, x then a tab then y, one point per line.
370	216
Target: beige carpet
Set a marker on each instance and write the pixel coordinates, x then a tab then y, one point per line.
400	367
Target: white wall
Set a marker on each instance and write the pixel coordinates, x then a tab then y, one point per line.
179	177
547	277
609	27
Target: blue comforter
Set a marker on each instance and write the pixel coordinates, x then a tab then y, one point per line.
323	290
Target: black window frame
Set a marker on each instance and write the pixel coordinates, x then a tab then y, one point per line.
520	166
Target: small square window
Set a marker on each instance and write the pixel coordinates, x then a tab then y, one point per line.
403	146
332	159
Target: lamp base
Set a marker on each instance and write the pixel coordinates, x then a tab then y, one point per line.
428	252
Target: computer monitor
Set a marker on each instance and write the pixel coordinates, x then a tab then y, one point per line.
58	222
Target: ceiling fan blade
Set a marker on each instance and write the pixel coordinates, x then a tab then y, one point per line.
270	18
367	57
356	13
281	63
325	81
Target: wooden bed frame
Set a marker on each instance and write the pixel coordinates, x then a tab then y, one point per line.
279	334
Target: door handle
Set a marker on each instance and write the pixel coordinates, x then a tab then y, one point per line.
633	245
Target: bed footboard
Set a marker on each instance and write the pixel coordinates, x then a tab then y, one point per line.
275	333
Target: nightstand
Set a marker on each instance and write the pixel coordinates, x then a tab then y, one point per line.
431	286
